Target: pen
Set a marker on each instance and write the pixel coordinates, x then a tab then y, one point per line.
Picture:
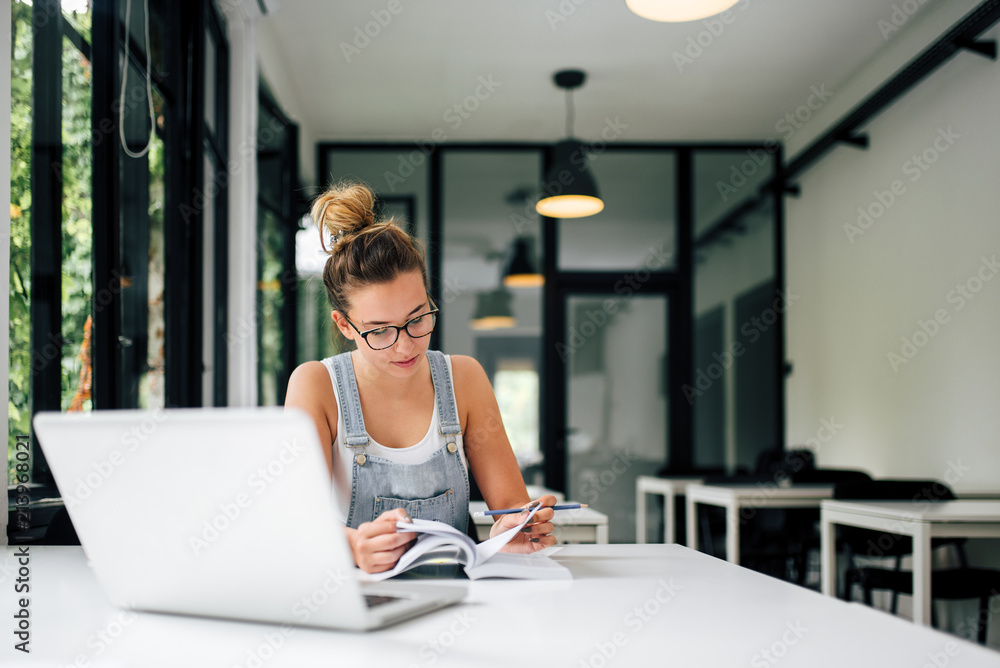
509	511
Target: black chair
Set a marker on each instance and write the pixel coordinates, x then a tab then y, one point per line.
959	583
773	541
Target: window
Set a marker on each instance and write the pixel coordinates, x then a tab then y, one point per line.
278	214
106	250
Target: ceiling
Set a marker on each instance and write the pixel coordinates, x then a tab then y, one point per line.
705	80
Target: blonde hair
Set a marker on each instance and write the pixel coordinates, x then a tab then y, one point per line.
363	251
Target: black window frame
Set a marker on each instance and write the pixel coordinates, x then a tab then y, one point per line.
186	142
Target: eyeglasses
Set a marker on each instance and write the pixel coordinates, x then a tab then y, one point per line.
385	336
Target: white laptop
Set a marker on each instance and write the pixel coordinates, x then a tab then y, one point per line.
218	512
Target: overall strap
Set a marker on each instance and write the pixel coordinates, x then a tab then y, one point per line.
350	404
447	409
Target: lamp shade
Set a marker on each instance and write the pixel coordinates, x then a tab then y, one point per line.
677	11
493	310
569	190
519	269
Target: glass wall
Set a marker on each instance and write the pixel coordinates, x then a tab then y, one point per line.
639	216
615	295
488	205
616	378
735	389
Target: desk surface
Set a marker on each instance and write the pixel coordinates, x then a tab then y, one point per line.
962	510
629	605
759	492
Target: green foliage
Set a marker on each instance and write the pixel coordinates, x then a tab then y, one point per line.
19	405
76	210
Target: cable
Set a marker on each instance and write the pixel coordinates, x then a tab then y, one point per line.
570	112
149	84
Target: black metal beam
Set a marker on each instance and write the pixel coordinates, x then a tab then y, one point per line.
184	210
680	371
553	426
220	264
856	140
106	180
780	335
46	215
289	278
962	35
985	48
435	238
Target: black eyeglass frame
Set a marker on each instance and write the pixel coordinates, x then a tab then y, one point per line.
398	328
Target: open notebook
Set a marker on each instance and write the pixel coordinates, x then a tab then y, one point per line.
443	543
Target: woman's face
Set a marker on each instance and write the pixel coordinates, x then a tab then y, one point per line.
392	303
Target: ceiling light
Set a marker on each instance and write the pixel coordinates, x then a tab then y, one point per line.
519	269
493	310
570	188
677	11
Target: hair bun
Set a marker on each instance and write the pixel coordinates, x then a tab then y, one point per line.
342	212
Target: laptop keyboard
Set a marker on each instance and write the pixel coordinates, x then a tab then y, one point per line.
376	599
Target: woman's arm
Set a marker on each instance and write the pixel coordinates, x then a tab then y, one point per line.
310	389
490	457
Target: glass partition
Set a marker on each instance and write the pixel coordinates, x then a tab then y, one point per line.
639	189
735	389
616	380
488	204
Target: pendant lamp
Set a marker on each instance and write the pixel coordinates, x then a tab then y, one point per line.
493	310
569	190
678	11
519	270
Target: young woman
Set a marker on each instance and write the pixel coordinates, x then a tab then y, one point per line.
401	426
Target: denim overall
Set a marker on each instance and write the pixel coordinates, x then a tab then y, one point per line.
435	489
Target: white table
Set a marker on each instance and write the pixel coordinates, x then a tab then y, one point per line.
628	605
580	525
921	521
738	499
535	491
670	489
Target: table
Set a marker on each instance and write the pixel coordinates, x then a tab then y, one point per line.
580	525
535	491
737	498
670	488
920	521
628	605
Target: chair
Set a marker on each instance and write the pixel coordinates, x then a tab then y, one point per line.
777	541
963	582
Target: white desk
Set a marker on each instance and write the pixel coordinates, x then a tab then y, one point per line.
628	605
738	498
921	521
670	488
535	491
580	525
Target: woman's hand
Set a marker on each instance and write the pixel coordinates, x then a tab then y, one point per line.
534	536
376	545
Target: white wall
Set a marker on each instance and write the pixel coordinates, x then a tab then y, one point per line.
862	291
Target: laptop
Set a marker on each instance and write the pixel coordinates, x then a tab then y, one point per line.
218	512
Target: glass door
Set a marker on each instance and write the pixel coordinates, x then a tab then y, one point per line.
615	360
